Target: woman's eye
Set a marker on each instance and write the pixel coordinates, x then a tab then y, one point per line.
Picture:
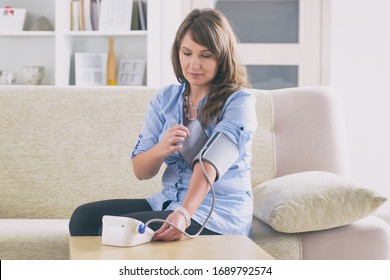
207	55
187	53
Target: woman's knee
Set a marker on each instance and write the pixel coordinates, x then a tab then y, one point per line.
85	220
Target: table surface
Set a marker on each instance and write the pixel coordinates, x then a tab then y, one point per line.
204	247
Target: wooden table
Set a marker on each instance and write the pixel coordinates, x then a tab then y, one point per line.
211	247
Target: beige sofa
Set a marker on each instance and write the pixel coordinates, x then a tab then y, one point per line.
64	146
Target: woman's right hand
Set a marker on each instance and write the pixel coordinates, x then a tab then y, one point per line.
173	139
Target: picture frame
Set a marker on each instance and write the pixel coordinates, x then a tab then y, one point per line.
131	72
12	20
115	15
91	69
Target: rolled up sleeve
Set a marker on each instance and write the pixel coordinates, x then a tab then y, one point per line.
239	120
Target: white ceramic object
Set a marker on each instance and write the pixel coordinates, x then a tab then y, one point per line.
7	78
32	75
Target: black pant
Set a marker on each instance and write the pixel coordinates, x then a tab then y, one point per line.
86	220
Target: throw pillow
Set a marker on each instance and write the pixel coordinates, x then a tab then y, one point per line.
313	200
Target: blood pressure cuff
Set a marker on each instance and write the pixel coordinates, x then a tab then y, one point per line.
219	150
194	142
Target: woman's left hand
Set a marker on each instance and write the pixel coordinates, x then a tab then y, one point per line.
167	232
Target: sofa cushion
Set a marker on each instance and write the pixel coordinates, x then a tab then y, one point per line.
313	200
310	131
280	245
366	239
62	147
34	239
263	146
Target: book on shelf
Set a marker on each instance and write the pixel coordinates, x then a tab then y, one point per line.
142	11
87	15
74	16
80	17
108	15
95	11
135	17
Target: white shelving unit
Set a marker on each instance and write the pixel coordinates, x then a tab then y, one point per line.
55	49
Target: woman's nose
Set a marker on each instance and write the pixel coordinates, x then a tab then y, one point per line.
194	63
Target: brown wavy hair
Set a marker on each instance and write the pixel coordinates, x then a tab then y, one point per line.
210	28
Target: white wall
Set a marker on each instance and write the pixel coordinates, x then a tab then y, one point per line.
360	71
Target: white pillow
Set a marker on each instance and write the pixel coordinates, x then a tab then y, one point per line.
313	200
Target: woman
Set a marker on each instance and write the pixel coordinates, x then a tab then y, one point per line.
205	61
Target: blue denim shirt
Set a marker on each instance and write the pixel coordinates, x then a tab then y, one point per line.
234	201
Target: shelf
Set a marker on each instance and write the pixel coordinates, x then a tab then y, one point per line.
28	34
133	33
55	50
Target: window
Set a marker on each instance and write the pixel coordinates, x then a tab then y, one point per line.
278	50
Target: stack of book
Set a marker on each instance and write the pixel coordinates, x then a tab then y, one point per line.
108	15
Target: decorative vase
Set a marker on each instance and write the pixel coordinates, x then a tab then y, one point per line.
31	75
42	24
111	64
